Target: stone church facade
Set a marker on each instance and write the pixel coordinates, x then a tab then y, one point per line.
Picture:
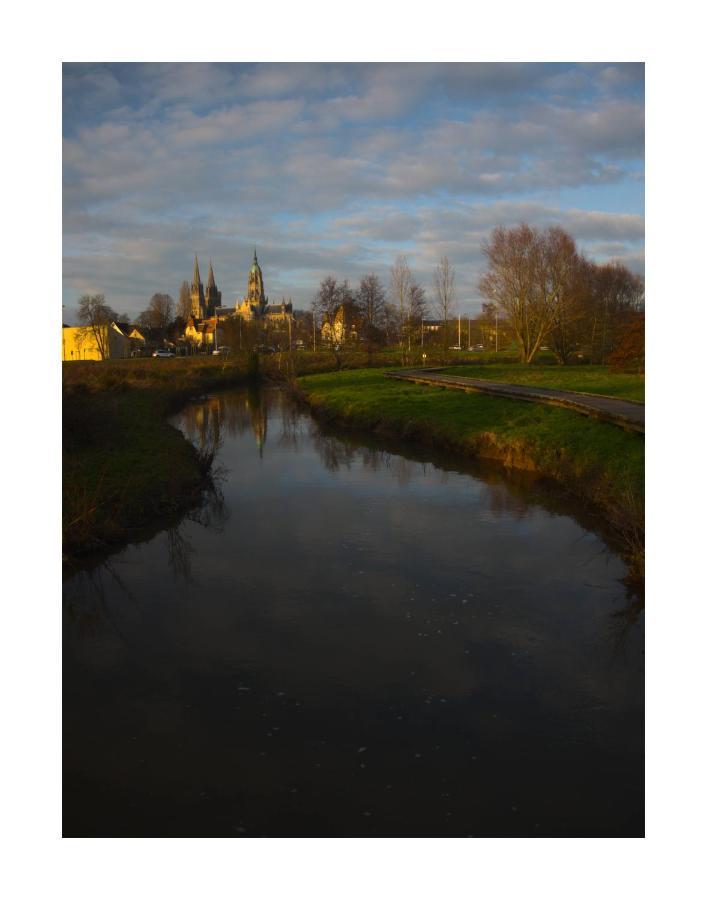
203	331
204	303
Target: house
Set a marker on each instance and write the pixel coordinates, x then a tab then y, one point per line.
137	337
202	334
94	342
345	326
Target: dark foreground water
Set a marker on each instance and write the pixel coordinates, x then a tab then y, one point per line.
344	641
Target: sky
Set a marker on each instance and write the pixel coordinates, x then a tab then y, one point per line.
336	169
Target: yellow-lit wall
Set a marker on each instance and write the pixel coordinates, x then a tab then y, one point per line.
77	344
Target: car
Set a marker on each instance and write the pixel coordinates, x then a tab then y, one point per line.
221	351
163	353
261	348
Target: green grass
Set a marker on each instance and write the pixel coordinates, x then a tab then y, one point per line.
596	461
587	379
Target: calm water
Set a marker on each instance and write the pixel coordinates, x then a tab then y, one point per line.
350	638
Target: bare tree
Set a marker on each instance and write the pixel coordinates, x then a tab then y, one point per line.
159	313
390	323
96	317
573	316
444	296
400	282
184	302
370	300
618	294
326	302
529	275
417	305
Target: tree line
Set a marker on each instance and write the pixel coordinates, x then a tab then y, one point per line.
540	293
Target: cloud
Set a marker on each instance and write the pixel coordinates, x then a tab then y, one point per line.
332	168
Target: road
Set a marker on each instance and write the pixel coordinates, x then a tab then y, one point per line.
627	414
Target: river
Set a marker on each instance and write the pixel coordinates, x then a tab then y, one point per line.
351	638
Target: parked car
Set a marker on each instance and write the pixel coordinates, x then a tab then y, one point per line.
223	350
261	348
163	354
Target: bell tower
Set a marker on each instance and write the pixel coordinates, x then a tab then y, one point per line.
213	294
256	291
198	306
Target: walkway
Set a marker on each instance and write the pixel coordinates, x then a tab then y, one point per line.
628	414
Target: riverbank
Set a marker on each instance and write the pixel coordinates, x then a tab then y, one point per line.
598	463
124	465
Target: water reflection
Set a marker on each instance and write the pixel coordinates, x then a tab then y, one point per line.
464	626
205	421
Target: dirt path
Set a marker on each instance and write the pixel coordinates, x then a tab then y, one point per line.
628	414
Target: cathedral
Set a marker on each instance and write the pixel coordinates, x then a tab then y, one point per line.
204	305
255	304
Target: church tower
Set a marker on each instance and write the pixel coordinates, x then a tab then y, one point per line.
198	306
213	294
256	292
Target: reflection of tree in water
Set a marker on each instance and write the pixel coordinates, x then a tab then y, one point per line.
623	621
87	604
336	452
502	502
213	512
333	453
290	420
179	553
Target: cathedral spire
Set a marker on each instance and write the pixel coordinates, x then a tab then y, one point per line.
255	257
211	282
197	292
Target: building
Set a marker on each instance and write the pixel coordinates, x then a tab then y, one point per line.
202	328
99	342
345	326
204	303
202	334
255	304
207	311
137	337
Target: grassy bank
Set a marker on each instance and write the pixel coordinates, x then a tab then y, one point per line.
124	465
599	463
587	379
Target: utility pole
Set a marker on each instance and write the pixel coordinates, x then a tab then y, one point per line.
468	327
314	333
496	331
459	332
422	333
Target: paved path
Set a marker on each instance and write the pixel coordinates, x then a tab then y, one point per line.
628	414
